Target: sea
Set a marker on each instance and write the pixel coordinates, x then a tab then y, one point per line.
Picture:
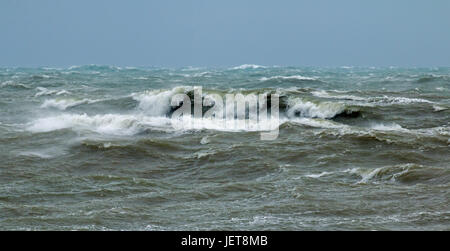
95	148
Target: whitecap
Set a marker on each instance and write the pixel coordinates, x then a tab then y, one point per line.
324	94
140	78
295	77
387	127
42	91
205	140
13	84
315	176
437	108
308	109
399	100
63	104
110	124
157	102
248	66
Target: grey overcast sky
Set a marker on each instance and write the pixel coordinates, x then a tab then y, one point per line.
175	33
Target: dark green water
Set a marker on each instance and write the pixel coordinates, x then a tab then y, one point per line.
93	148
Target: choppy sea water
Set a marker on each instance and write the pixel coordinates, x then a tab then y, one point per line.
92	148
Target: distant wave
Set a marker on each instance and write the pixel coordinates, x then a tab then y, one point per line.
324	94
404	173
387	127
296	77
42	91
63	104
94	67
248	66
432	78
10	83
399	100
382	100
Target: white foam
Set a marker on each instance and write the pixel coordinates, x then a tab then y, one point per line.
295	77
117	124
201	74
315	176
140	78
36	154
380	100
441	130
389	172
112	124
324	94
318	123
308	109
437	108
370	175
189	123
399	100
42	91
202	154
63	104
248	66
388	127
157	102
205	140
14	84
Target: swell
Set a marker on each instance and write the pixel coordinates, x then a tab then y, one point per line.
406	173
433	78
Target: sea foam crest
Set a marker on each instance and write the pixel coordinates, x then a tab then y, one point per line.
42	91
63	104
381	100
295	77
131	124
399	100
388	127
112	124
308	109
324	94
157	102
248	66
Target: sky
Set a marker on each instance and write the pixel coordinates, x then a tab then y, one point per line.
215	33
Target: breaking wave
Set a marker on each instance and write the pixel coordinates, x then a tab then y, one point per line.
296	77
404	173
63	104
152	109
14	84
248	66
308	109
42	91
157	102
112	124
379	100
132	124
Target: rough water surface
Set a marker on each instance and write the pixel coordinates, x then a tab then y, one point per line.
93	148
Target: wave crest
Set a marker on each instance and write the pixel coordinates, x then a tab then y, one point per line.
248	66
295	77
308	109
